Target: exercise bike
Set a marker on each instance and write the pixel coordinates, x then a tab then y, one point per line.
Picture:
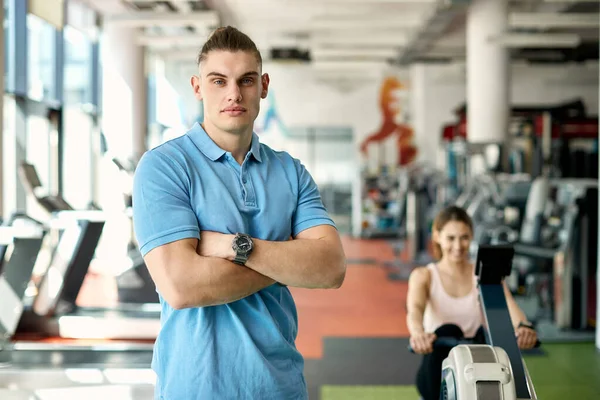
494	370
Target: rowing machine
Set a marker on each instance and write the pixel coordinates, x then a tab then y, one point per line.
494	370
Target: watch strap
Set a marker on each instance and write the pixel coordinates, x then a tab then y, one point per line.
240	259
526	325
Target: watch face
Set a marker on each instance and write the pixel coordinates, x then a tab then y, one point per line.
243	244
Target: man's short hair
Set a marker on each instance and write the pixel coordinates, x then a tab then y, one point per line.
228	38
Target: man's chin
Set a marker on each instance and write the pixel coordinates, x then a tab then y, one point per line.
236	126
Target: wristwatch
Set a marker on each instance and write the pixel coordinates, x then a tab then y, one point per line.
525	324
242	245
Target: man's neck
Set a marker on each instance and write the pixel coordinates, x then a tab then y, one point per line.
238	143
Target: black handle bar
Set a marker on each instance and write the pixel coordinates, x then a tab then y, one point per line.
445	341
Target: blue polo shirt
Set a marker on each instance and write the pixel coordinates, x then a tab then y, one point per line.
244	349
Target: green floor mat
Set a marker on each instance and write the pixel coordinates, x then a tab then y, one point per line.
369	393
569	371
566	371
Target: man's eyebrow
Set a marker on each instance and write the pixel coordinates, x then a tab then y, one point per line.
220	75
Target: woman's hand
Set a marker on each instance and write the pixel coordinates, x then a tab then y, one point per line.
422	343
526	337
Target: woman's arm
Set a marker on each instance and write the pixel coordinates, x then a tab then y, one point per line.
416	299
516	314
526	337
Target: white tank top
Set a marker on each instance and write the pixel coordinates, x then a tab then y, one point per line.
442	308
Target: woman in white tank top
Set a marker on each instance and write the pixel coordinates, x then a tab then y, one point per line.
443	300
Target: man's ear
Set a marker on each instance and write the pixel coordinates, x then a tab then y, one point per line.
265	80
197	87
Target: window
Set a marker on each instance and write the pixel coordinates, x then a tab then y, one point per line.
78	65
9	156
79	160
42	152
7	53
41	54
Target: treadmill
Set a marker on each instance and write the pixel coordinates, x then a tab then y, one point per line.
134	284
20	245
52	311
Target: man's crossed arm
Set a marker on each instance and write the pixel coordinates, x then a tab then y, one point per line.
192	273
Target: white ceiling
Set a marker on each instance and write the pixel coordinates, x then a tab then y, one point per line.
356	34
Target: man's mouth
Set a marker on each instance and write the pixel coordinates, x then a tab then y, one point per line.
234	111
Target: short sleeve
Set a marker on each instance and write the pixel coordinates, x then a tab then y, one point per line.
161	203
310	211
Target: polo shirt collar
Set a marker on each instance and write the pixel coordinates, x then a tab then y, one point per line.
255	147
210	149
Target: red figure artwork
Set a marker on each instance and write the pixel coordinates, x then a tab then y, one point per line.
390	109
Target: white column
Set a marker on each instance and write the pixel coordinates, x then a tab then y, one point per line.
488	81
2	72
427	142
123	91
124	124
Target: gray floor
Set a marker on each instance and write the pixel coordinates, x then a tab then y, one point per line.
56	373
71	384
116	375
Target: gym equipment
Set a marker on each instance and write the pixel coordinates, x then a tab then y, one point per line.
134	283
423	191
20	247
495	203
53	310
21	239
540	142
31	181
555	257
494	370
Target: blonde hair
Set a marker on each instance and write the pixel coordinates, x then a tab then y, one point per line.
451	213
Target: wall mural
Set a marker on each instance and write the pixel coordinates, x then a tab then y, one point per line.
381	208
394	117
271	118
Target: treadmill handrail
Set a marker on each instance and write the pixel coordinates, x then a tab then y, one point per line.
9	233
78	215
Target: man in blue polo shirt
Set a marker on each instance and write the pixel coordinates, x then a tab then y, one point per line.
225	225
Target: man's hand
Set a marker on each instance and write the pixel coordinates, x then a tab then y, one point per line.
216	244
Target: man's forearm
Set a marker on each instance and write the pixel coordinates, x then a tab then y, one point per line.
210	281
300	263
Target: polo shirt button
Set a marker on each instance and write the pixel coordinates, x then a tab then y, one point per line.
243	180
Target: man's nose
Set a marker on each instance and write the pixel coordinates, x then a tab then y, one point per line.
235	94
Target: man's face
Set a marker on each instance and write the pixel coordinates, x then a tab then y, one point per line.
231	86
